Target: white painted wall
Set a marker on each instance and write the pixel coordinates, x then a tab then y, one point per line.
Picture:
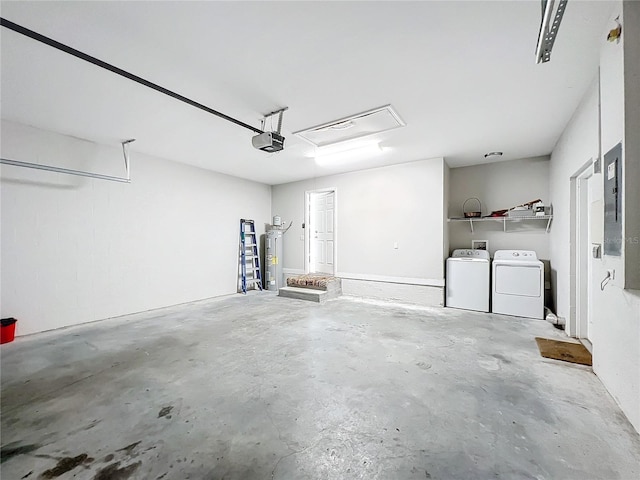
500	185
616	312
77	249
617	333
632	143
376	208
577	145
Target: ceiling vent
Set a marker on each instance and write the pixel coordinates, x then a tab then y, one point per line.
374	121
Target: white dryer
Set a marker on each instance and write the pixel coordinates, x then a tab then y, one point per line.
468	281
518	284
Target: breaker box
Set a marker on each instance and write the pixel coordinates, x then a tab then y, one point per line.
612	173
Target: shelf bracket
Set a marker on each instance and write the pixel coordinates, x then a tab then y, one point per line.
80	173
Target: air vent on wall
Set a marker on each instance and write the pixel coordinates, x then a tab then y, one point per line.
360	125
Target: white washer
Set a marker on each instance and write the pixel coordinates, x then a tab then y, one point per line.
518	284
468	282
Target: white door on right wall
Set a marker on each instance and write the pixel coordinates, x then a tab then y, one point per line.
583	294
322	218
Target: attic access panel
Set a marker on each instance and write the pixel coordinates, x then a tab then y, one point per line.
363	124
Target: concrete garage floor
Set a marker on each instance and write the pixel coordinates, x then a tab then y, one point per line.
261	387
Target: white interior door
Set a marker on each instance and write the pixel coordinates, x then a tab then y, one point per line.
584	257
585	228
322	232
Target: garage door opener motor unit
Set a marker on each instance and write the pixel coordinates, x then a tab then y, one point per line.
270	141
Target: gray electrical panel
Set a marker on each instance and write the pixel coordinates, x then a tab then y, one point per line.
612	173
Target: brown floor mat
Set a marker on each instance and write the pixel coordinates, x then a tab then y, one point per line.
565	351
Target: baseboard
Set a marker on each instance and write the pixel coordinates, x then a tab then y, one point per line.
424	295
431	282
418	291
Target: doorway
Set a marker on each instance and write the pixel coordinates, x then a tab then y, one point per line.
321	235
582	198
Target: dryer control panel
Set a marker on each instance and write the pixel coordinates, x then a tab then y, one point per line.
524	255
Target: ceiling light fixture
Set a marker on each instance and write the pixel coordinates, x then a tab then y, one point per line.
371	122
333	156
342	126
492	154
549	29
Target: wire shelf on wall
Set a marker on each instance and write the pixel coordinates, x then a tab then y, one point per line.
505	220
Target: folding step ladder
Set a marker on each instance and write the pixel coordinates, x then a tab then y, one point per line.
249	256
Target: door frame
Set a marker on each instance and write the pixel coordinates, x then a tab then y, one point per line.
307	231
579	284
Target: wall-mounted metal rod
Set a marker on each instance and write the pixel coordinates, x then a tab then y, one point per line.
80	173
50	168
123	73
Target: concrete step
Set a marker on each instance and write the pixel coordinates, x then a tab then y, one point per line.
335	286
310	294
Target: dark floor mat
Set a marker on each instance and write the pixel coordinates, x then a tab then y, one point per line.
565	351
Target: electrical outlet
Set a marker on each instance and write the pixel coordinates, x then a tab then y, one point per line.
395	245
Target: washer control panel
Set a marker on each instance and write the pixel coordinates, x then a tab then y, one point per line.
465	253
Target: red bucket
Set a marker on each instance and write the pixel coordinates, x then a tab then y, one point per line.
7	330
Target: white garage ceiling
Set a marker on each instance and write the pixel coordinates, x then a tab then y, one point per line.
461	75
